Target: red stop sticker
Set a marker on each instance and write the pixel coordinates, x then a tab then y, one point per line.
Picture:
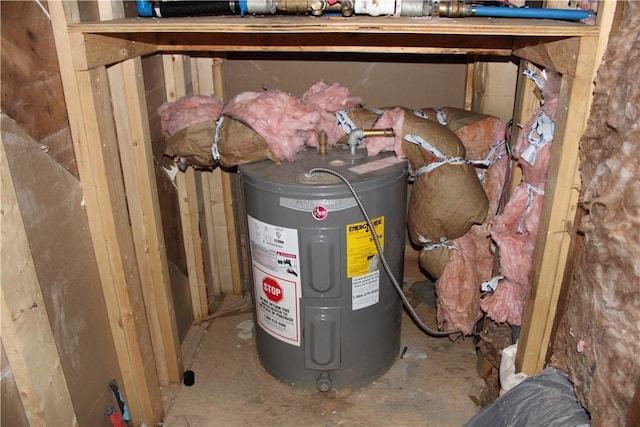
272	289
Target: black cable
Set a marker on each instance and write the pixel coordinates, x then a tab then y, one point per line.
387	269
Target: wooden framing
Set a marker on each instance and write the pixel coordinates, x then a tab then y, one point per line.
86	48
227	197
134	141
95	144
175	72
219	227
563	185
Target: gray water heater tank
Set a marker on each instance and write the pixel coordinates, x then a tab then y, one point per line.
328	315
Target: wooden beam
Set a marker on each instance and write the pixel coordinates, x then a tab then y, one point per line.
558	212
26	333
95	144
134	140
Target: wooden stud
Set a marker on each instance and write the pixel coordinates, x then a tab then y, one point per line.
216	246
177	86
229	205
187	195
26	333
469	83
558	212
130	113
560	204
220	226
232	236
213	253
202	75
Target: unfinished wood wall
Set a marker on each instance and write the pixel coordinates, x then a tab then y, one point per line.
38	151
31	86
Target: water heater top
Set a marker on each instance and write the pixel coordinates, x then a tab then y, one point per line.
357	169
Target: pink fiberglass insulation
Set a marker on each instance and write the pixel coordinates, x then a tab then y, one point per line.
332	97
288	123
458	287
328	99
535	173
284	121
506	304
187	111
515	230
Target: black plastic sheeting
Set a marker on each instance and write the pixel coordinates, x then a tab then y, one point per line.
546	399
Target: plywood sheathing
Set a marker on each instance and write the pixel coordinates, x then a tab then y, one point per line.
51	204
27	338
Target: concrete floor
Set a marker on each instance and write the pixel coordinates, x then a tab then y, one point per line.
432	384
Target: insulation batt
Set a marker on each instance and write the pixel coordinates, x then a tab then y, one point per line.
458	288
506	304
187	111
288	123
598	336
515	229
329	99
284	121
536	174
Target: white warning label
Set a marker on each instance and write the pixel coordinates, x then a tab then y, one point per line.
365	290
276	277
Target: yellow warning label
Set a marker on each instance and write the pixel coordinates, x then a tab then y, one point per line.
361	247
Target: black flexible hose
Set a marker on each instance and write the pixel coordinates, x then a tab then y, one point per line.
174	9
387	269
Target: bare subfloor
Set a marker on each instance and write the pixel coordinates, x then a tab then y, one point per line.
432	384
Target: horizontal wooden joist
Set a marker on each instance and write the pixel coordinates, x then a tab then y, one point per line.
336	42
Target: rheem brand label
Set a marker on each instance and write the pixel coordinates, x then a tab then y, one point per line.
276	276
320	212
